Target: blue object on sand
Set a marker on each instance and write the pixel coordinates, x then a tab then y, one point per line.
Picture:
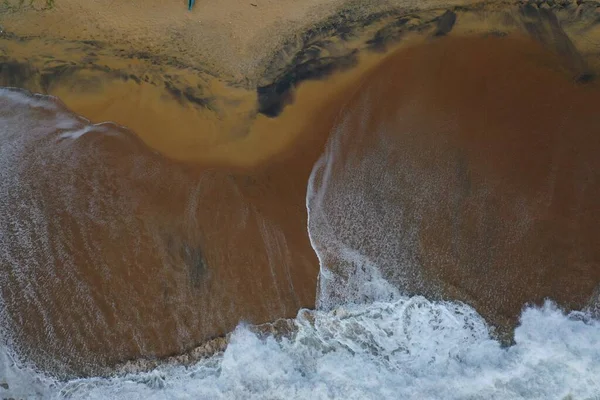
191	4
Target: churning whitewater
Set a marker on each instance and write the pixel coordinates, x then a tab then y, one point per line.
366	340
410	348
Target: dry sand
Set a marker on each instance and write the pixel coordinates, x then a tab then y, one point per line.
231	38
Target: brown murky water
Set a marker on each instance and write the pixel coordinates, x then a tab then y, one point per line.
118	245
467	169
144	255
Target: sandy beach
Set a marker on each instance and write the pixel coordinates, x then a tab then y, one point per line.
222	113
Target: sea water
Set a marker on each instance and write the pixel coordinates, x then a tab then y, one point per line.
389	347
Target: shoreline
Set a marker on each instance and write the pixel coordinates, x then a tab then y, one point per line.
257	131
149	92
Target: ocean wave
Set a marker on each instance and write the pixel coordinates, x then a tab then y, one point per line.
406	349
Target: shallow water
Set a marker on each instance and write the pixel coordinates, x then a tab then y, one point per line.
110	251
463	169
428	184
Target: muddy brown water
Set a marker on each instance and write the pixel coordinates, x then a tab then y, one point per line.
123	244
467	169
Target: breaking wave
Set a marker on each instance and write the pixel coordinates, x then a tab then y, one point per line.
405	349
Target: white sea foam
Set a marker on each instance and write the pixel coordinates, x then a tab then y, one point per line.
407	349
76	134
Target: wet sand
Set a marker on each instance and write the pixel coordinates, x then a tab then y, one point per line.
202	205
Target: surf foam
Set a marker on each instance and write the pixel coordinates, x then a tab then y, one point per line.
407	349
